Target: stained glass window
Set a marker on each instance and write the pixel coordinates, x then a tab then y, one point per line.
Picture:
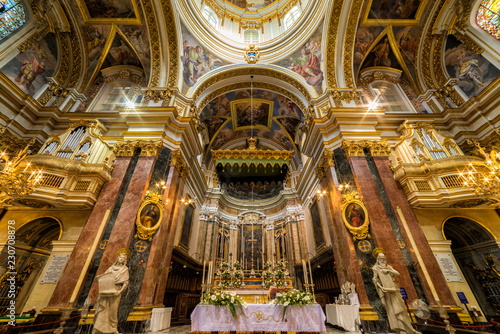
12	16
488	17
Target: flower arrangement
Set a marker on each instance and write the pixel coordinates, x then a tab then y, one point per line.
237	265
225	284
268	274
237	273
294	297
279	273
268	265
237	283
280	283
269	282
223	298
226	274
280	264
225	264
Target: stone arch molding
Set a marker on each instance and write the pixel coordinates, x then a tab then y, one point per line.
276	78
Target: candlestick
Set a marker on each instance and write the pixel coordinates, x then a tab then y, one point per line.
304	269
203	279
310	272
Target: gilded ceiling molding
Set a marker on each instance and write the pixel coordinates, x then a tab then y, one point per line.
332	43
154	42
437	60
33	39
450	91
63	59
350	38
471	44
345	95
157	95
177	161
463	10
243	85
426	54
275	74
325	161
76	66
173	51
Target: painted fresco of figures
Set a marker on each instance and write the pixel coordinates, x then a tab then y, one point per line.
196	60
393	9
473	71
251	5
30	69
109	8
307	61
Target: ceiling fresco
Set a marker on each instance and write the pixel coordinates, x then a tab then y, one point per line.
109	11
273	116
307	61
393	12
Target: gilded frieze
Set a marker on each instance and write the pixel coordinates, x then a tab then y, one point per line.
178	161
173	51
154	41
349	40
331	47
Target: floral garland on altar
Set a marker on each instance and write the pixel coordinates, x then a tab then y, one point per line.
294	297
224	298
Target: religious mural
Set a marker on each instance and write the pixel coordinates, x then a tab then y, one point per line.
473	71
251	5
252	234
393	9
364	39
186	226
317	225
254	189
120	53
307	60
110	8
276	118
382	55
29	70
406	38
196	60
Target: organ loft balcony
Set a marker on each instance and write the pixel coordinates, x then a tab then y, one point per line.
430	168
69	170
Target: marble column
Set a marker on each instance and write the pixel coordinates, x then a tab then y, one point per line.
343	249
70	283
380	226
155	264
397	198
124	227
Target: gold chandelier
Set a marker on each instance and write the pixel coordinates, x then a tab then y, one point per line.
14	182
487	182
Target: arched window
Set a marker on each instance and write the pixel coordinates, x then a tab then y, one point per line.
292	16
115	94
12	17
390	97
210	16
488	17
251	36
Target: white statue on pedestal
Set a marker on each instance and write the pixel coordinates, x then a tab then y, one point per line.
112	284
390	295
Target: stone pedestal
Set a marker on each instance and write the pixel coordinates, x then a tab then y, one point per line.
70	283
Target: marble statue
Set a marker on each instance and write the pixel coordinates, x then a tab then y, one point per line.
112	284
390	295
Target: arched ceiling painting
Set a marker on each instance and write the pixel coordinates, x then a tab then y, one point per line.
229	117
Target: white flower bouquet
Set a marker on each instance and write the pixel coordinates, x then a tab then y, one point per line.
294	297
224	298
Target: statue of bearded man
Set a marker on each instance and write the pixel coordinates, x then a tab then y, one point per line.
390	295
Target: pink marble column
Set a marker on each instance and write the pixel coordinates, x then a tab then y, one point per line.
157	262
124	227
343	246
107	198
381	229
398	199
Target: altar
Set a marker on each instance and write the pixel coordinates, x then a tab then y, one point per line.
258	317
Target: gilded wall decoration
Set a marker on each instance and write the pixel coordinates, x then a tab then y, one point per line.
154	41
355	216
307	60
473	71
173	51
29	70
349	40
331	47
76	65
149	217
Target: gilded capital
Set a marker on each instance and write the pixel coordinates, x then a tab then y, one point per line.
177	161
354	148
324	163
125	148
150	147
379	148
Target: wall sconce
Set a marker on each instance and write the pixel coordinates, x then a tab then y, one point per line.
187	200
343	187
321	193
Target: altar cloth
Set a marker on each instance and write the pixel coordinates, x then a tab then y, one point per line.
258	317
344	316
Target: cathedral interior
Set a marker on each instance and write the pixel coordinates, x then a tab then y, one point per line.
306	136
